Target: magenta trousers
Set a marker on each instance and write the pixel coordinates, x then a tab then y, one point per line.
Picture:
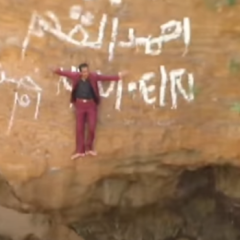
86	113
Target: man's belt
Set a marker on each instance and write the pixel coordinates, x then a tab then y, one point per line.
84	100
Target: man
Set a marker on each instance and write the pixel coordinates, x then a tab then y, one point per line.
86	98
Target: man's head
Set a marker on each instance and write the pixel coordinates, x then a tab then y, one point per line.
84	70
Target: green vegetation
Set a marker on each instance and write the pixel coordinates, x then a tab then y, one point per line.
214	4
234	66
195	91
236	107
231	2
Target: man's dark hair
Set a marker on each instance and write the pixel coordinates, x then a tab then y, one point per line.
83	65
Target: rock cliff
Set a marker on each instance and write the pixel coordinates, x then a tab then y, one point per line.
167	138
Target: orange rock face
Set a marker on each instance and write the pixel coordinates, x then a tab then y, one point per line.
178	106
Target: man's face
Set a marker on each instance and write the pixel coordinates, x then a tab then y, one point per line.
85	72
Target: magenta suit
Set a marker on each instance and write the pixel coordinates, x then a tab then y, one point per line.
86	112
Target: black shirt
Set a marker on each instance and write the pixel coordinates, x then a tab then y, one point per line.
84	90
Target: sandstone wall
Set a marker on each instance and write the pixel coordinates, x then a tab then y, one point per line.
137	130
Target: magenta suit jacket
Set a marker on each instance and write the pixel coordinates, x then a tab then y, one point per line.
93	78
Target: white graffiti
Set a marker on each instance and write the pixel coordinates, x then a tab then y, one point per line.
77	13
115	2
119	95
113	38
144	88
39	26
50	24
171	30
176	81
22	100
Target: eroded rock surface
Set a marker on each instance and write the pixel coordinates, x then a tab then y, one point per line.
151	141
197	210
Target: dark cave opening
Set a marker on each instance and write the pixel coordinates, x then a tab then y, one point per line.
196	210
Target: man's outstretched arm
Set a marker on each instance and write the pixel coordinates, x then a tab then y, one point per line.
71	75
101	77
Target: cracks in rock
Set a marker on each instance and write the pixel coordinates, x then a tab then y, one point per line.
9	198
160	160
